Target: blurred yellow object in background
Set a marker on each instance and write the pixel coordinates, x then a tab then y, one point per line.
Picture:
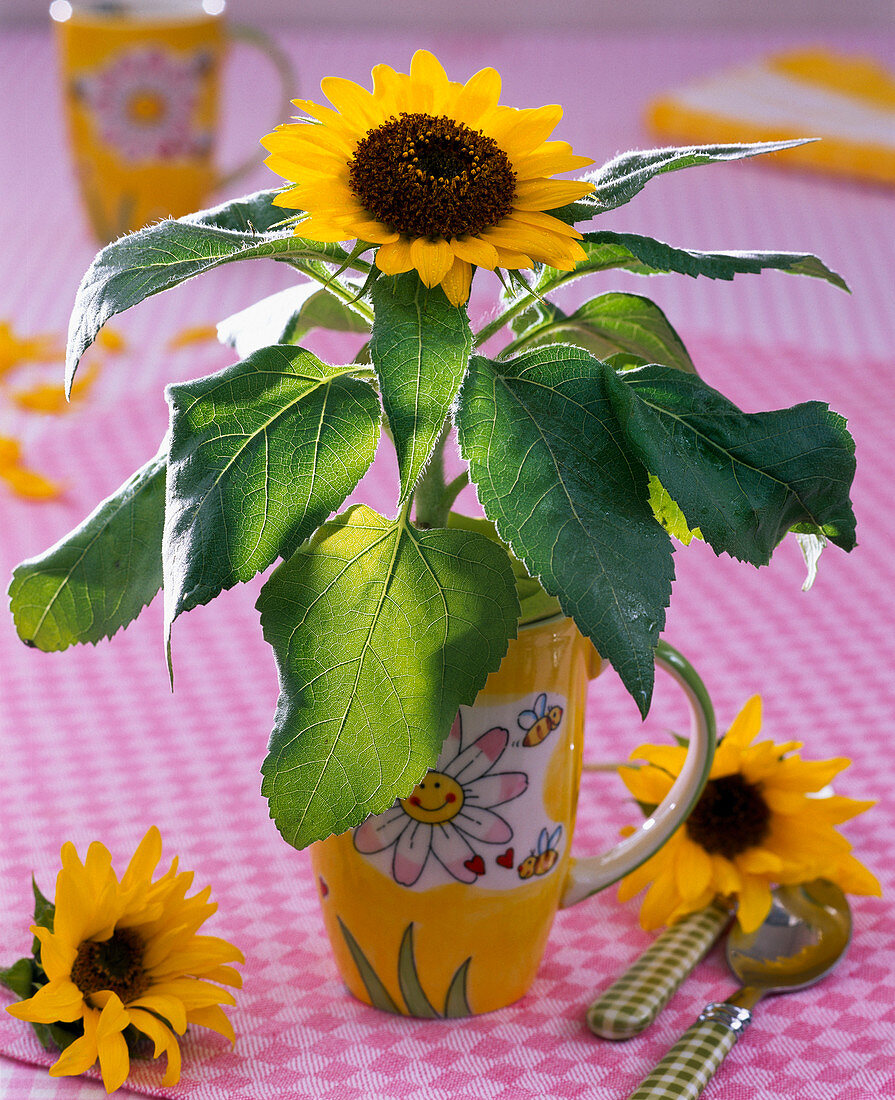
847	102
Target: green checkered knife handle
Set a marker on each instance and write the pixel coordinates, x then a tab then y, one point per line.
632	1003
688	1067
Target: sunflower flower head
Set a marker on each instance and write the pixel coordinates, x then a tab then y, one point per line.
438	176
758	822
120	961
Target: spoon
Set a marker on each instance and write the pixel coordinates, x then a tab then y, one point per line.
803	937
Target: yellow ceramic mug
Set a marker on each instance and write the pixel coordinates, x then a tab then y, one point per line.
141	87
441	906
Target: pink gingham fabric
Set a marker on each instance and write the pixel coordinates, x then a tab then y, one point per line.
95	745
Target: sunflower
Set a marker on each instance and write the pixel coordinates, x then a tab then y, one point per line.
756	823
436	174
125	954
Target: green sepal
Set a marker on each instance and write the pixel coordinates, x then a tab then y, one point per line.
380	631
19	978
168	253
570	498
260	454
620	179
98	578
742	478
420	347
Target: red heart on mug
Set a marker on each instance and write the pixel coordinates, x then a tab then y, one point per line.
507	859
324	889
476	865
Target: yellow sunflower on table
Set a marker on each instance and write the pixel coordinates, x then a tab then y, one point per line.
755	824
436	174
123	955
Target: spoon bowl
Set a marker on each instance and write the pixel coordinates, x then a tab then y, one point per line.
805	934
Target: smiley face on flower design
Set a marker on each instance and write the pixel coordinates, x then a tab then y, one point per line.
448	811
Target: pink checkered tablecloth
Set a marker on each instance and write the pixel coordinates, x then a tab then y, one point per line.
95	746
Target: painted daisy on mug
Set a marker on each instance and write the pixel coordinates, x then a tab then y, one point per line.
762	819
448	811
119	961
437	174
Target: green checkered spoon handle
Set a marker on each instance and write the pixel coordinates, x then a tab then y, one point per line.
803	937
632	1003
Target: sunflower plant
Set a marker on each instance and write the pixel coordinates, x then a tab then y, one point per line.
590	437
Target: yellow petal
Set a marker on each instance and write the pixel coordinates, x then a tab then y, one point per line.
854	878
145	859
754	903
512	259
475	251
432	259
164	1041
661	900
352	101
541	194
29	484
169	1007
518	132
81	1054
214	1018
428	82
457	282
56	956
394	258
549	159
759	861
693	872
57	1000
478	95
541	220
747	723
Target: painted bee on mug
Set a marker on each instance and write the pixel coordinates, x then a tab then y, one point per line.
539	722
544	859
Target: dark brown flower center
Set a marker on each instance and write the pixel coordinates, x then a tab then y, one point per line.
730	817
115	963
428	176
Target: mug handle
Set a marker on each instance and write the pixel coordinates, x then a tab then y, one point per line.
588	876
251	36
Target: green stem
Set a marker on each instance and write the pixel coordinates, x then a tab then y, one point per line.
429	495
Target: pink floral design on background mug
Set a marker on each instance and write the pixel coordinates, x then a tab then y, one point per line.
441	906
141	84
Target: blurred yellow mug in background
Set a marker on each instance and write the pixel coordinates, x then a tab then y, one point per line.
141	82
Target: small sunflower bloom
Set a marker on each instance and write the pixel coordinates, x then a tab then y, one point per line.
758	822
437	175
125	954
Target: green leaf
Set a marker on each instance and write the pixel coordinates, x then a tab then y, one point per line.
163	255
743	478
261	453
615	324
420	347
380	632
284	317
99	577
555	475
19	978
646	256
620	179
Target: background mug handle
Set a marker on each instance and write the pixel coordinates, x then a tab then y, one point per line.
594	873
251	36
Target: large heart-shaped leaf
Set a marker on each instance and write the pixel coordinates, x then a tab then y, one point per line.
744	479
554	473
620	179
420	347
380	632
163	255
99	577
612	324
261	453
647	256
